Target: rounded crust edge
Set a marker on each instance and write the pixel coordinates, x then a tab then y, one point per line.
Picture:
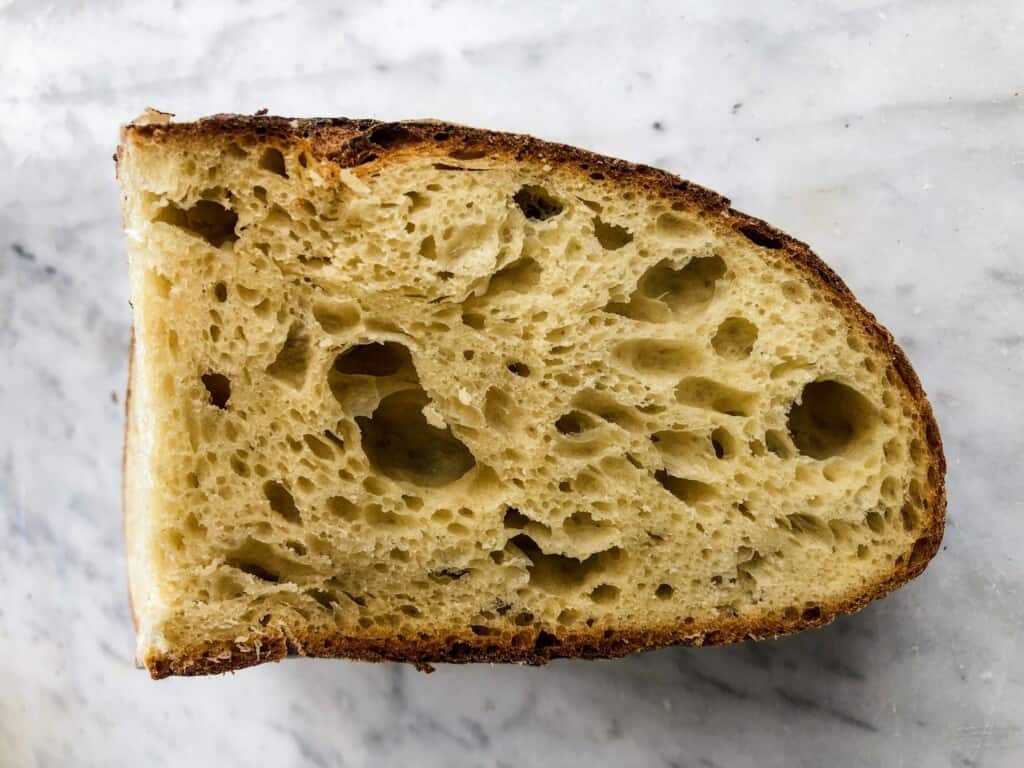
352	143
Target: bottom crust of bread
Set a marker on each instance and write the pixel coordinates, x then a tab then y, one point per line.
527	647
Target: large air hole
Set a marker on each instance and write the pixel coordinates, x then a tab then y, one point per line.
690	285
776	442
373	359
611	236
272	160
418	201
206	219
683	445
560	573
501	410
343	508
319	448
607	408
735	338
519	276
264	562
686	490
292	361
656	358
583	529
723	443
663	289
470	245
810	527
830	419
401	444
514	519
218	386
536	203
428	248
474	320
705	393
672	225
281	501
604	594
336	317
574	423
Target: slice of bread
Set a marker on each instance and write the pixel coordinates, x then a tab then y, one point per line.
421	392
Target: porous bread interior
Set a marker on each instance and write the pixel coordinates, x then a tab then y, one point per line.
461	395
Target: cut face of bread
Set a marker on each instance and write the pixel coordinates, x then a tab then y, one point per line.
421	392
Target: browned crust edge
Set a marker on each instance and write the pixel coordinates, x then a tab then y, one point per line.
352	143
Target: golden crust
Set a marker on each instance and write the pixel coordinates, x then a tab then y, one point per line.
354	143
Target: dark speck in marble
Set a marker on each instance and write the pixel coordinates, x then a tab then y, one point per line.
839	669
719	685
476	732
108	650
761	654
657	126
523	713
396	692
424	725
310	754
22	253
801	702
737	107
113	397
1008	276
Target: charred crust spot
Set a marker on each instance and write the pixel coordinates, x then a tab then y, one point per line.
760	234
544	641
390	135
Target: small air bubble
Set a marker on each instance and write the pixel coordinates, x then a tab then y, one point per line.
272	160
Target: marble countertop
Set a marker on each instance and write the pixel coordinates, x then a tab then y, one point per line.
889	135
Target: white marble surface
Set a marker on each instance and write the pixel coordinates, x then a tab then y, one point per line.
889	135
